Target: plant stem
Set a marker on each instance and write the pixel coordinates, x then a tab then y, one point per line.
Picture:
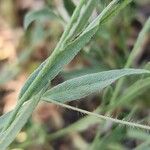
122	122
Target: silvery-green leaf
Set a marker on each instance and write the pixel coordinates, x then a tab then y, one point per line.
85	85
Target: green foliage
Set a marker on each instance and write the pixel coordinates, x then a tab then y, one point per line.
76	36
85	85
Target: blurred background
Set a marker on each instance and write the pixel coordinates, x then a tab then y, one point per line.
21	51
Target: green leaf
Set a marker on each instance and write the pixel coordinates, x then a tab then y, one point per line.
39	15
83	86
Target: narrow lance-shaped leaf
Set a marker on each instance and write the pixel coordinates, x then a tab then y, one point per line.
83	86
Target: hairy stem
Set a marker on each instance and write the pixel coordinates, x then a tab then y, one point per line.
122	122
